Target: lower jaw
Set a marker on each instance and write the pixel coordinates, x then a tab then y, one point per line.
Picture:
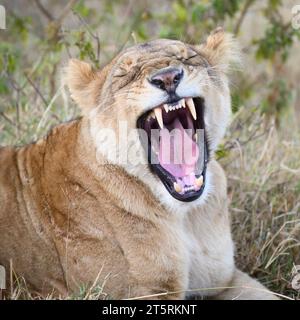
168	181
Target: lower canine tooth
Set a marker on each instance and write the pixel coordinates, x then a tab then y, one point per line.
177	187
199	181
158	114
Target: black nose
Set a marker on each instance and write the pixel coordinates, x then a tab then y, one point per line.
167	79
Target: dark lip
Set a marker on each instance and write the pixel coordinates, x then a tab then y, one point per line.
166	178
173	99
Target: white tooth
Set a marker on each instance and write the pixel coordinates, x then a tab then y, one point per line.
177	187
183	102
158	114
195	137
177	106
199	181
166	108
190	104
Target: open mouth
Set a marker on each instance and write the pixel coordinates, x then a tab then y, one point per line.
177	147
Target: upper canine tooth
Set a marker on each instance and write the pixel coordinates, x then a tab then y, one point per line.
158	114
190	104
183	102
166	108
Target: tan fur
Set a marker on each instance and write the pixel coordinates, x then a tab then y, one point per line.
70	215
221	49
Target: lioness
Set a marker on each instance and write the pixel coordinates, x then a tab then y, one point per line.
73	213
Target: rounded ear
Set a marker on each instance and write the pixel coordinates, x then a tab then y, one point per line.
83	83
221	50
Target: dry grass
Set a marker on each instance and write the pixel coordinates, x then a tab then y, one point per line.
263	178
18	290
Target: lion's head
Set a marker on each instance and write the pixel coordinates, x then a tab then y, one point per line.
176	90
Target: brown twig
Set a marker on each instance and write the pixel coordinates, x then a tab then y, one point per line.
37	90
46	13
52	80
2	114
242	16
91	33
65	11
54	26
63	14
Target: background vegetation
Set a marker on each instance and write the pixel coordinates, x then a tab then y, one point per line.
261	151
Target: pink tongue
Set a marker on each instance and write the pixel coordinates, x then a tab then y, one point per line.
178	153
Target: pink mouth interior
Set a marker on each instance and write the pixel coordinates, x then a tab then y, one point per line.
178	153
178	144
